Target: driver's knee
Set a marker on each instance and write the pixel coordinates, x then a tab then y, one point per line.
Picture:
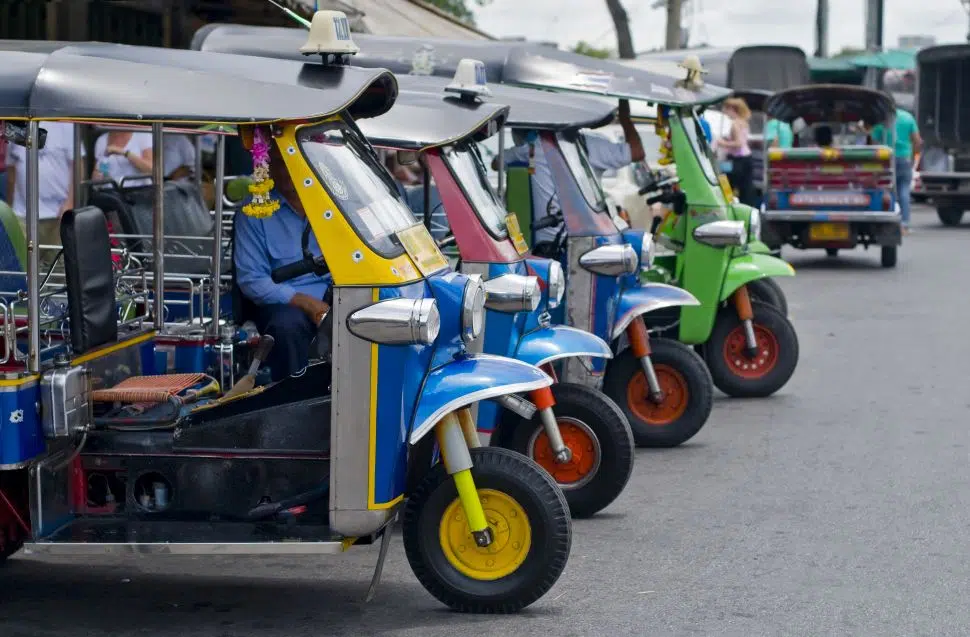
282	320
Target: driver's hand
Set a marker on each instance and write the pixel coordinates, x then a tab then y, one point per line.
320	310
624	110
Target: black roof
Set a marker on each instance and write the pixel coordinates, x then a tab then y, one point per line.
128	83
831	103
517	63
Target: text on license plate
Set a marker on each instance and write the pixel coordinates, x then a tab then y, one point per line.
829	232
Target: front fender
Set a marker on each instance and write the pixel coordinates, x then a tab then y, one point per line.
750	267
547	344
758	247
647	298
468	380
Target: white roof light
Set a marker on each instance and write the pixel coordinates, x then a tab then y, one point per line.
470	79
329	35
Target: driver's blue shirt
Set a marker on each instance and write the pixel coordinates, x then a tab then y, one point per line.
263	245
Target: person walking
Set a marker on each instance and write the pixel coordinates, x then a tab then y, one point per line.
735	144
907	143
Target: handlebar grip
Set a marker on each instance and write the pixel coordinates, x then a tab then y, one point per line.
662	198
292	270
547	222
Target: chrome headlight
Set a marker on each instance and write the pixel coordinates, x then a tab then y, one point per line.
646	252
472	310
557	284
397	322
722	233
611	260
754	225
512	293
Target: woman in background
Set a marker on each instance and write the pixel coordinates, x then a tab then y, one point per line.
735	144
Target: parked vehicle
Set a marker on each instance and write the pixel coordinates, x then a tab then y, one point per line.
314	463
832	197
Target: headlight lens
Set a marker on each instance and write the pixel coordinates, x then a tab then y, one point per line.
754	224
646	252
611	260
512	293
472	310
557	284
397	322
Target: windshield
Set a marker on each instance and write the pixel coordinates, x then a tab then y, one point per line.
651	148
703	152
466	164
358	184
582	173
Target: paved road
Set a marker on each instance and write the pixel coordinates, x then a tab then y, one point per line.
838	507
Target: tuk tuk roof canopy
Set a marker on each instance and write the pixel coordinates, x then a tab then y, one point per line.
842	103
96	81
525	64
942	93
422	120
771	67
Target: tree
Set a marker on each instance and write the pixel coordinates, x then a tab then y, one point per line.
458	8
621	23
585	48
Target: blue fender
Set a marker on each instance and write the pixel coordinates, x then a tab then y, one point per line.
647	298
468	380
546	344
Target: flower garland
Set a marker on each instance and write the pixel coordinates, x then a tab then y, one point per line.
662	128
262	205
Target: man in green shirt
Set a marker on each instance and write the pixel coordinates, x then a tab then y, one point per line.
778	134
907	143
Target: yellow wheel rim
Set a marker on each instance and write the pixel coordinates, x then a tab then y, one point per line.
510	527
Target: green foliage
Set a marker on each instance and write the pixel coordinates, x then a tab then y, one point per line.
584	48
459	8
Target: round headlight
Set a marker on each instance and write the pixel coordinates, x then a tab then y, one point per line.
754	224
557	284
473	310
646	252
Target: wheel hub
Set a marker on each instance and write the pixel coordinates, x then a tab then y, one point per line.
673	399
511	537
584	449
745	363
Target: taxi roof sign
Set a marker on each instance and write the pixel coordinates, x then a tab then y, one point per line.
330	35
470	80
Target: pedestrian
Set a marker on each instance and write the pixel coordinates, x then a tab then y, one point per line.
55	162
123	154
735	143
778	134
178	157
907	143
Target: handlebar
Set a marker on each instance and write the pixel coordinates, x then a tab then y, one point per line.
447	241
548	221
660	185
316	265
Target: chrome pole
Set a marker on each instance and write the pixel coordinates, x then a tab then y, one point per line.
158	222
78	166
33	248
501	164
217	234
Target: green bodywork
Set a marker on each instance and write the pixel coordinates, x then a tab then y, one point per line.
711	274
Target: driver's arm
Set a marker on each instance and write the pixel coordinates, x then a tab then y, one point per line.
630	133
15	158
254	272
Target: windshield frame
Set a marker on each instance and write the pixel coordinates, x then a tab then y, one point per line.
368	156
698	143
571	138
470	148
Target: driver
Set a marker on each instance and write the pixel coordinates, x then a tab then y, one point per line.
289	311
603	155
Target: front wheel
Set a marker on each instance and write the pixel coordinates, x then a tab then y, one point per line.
734	371
688	393
888	257
528	517
950	216
599	437
767	290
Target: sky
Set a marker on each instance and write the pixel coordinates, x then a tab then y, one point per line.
722	22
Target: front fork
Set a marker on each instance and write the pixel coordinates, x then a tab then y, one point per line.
456	434
639	339
742	303
544	402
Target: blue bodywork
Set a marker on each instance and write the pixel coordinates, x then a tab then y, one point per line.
21	438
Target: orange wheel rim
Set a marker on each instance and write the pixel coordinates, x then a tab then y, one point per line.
583	444
740	363
676	396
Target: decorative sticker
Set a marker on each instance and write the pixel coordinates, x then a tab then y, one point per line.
515	233
334	183
422	249
593	81
17	416
423	60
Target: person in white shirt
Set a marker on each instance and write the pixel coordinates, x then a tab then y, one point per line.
603	155
56	181
120	154
178	156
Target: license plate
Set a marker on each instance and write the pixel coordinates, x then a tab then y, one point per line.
829	232
515	233
819	199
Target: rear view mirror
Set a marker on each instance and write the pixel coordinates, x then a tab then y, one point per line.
407	157
16	133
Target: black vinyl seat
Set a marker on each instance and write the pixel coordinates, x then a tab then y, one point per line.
89	278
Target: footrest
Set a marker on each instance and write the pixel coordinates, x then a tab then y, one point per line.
148	389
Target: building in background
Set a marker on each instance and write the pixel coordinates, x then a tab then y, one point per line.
171	23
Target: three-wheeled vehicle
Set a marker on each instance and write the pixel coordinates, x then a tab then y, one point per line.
662	386
97	458
579	434
940	91
835	196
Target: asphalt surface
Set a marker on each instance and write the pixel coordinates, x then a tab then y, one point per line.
839	506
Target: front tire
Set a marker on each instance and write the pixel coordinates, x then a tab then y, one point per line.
887	256
950	216
688	393
766	290
599	436
530	521
733	371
